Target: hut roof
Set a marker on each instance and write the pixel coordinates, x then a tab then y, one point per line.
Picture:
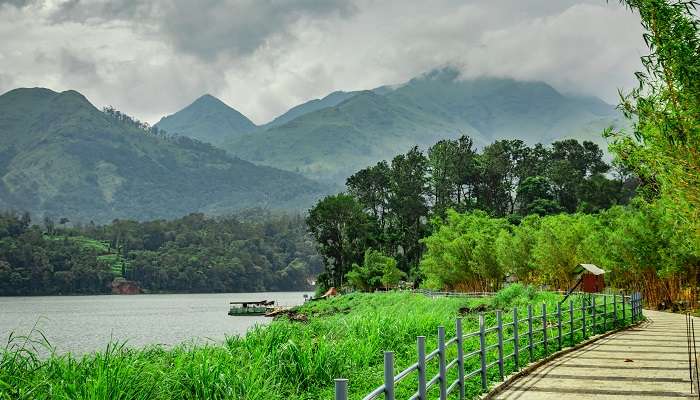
594	269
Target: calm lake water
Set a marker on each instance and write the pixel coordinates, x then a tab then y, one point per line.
80	324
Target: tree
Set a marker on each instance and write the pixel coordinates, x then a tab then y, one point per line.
377	270
444	175
461	252
467	173
49	225
665	109
370	186
572	164
342	230
534	196
407	202
500	173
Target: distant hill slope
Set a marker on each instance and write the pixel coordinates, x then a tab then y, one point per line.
209	120
331	143
331	100
60	156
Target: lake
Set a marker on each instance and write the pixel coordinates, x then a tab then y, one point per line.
80	324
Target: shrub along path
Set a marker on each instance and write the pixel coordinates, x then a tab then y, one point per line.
649	361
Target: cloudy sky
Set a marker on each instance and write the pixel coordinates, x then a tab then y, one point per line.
152	57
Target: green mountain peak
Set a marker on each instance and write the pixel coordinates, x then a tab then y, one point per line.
207	119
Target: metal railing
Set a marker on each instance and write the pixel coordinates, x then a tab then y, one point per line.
431	293
588	318
693	369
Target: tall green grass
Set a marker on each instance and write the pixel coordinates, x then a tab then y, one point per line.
343	337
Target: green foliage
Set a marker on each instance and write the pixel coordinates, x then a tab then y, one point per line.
636	245
663	149
377	270
461	252
190	254
342	230
34	263
61	157
514	295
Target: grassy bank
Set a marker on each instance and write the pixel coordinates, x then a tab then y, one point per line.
342	337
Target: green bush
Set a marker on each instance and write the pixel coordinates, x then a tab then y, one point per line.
513	295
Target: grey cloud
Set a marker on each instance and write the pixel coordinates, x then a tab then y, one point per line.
6	83
72	64
207	28
16	3
152	57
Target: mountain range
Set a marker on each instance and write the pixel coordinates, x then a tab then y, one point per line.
62	157
328	139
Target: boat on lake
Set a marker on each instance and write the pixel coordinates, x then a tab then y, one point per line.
251	307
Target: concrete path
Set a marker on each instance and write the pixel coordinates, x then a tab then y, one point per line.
647	362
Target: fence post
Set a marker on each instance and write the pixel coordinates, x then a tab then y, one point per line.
583	316
441	360
615	310
559	324
632	307
482	347
516	339
529	331
341	389
499	321
421	369
593	316
389	375
460	357
605	313
624	312
571	321
641	312
639	305
544	327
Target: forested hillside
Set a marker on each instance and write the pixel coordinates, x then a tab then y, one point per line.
254	252
61	157
330	143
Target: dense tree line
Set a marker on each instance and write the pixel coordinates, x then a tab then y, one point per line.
34	262
128	120
388	206
634	244
252	252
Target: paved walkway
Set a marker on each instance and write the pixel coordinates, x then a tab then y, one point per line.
646	362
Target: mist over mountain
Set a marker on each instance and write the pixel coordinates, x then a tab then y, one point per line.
357	129
60	156
331	100
207	119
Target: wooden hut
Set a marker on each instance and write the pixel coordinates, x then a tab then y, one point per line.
592	278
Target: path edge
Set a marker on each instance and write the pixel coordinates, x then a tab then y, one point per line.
510	379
